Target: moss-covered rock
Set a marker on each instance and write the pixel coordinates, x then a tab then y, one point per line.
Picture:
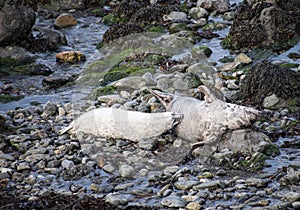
110	19
8	98
106	90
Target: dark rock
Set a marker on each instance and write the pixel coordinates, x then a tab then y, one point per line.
41	69
45	39
120	30
264	24
266	79
18	54
126	8
58	81
16	22
151	15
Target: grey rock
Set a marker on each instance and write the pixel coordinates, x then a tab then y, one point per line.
270	101
67	164
256	182
50	109
173	201
109	168
118	199
292	196
18	53
124	186
184	185
16	22
23	166
89	149
210	185
126	170
148	144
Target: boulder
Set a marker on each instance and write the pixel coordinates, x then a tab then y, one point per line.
220	6
16	22
62	5
65	20
19	54
70	57
266	79
264	24
120	30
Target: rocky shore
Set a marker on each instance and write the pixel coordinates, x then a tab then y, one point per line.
149	45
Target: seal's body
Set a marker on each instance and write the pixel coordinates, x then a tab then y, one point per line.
205	120
123	124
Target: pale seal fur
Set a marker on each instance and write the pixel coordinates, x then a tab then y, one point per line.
123	124
205	120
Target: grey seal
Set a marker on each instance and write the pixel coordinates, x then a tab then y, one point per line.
123	124
204	121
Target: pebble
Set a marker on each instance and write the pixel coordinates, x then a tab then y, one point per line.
67	164
173	201
184	185
126	170
118	199
210	185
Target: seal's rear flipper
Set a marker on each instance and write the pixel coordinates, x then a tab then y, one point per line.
164	98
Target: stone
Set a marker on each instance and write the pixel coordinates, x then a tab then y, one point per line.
71	57
198	12
126	170
210	185
193	206
65	20
62	5
67	164
220	6
23	166
148	144
292	196
185	185
130	83
16	22
175	17
109	168
118	199
270	101
173	201
47	39
111	99
50	109
19	54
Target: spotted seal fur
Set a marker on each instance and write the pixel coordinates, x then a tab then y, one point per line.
205	120
123	124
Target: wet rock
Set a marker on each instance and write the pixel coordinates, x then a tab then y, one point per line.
62	5
46	39
67	164
175	16
50	109
16	22
23	166
210	185
130	83
57	81
270	101
292	196
220	6
185	185
173	201
71	57
150	15
148	144
121	30
257	25
118	199
266	79
125	9
198	13
193	206
126	170
19	54
41	69
65	20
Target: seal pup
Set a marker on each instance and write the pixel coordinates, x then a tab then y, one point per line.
123	124
204	121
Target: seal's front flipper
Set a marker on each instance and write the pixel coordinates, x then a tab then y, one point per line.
164	98
209	97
